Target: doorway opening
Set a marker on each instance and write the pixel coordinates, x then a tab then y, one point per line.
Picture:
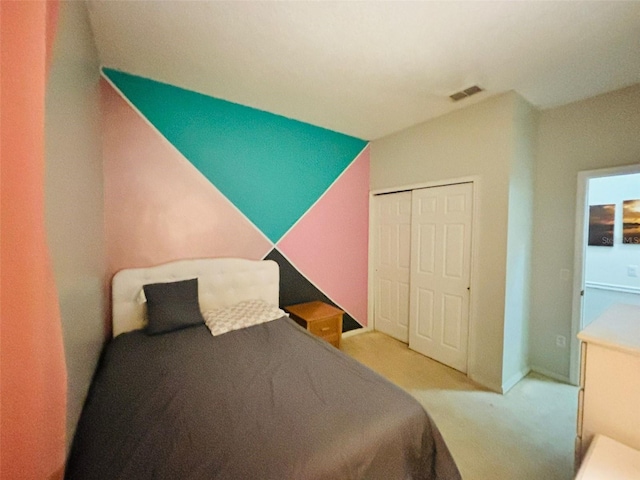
606	260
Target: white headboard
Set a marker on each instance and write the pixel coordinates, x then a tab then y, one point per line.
221	282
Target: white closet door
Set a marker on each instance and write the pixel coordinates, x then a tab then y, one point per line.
440	273
392	260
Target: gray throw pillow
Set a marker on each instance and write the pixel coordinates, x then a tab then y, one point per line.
172	306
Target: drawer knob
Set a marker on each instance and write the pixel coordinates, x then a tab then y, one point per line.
326	329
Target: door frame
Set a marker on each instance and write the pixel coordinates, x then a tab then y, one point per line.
579	251
472	361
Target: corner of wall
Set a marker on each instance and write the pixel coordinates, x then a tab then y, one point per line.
74	200
596	133
511	381
519	244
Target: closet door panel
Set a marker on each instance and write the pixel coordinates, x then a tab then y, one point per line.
392	262
440	273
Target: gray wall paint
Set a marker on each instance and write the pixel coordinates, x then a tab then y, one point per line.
507	144
520	234
74	199
600	132
480	140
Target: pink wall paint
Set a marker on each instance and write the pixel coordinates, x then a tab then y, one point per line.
158	207
329	245
33	376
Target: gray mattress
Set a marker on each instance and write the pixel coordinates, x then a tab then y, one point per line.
265	402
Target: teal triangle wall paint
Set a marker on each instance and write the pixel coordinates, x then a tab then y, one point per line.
270	167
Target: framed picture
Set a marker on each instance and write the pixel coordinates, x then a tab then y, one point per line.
601	221
631	221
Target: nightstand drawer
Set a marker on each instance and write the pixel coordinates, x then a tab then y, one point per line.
325	327
320	319
332	339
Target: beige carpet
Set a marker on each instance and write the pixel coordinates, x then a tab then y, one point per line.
528	433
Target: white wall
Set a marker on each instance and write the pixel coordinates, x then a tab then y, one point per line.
478	141
519	244
607	279
608	265
600	132
74	200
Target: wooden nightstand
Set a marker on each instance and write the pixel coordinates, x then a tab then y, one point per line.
320	319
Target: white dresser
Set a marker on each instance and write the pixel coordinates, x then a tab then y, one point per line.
607	459
609	398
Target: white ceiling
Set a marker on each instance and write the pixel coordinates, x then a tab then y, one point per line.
371	68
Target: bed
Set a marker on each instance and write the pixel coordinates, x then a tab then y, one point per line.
266	400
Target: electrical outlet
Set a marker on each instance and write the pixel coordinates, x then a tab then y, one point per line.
632	270
561	341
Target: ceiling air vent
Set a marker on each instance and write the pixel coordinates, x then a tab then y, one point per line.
467	92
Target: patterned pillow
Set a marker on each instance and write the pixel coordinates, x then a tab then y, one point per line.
240	315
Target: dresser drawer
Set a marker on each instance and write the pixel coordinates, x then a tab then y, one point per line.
583	363
577	454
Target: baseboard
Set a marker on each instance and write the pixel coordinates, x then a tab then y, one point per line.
550	374
355	331
515	378
484	383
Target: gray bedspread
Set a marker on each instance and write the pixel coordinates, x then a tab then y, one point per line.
265	402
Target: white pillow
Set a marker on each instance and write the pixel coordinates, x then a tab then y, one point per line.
240	315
